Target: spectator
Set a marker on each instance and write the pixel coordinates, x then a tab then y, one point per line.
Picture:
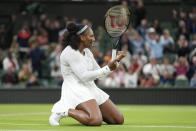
156	46
125	41
170	48
153	69
32	82
142	28
166	73
24	74
181	65
193	42
148	81
182	48
10	77
141	59
54	32
157	26
42	37
140	12
23	37
134	64
126	60
110	81
182	30
137	44
37	56
193	81
120	74
14	47
55	62
192	68
10	62
131	78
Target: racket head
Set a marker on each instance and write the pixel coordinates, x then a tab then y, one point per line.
117	20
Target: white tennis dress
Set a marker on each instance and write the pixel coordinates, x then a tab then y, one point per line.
79	72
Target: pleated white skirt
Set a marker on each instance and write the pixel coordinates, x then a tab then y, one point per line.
74	93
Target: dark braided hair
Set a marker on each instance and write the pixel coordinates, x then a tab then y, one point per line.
70	36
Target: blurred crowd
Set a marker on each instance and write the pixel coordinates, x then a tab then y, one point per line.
157	55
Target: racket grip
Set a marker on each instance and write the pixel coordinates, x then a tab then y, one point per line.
114	54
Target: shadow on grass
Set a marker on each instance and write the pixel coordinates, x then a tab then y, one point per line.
81	125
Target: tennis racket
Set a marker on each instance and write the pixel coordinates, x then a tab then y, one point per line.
117	20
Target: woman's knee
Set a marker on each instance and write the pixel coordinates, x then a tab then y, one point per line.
117	120
120	120
94	121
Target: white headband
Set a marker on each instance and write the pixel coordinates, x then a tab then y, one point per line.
82	30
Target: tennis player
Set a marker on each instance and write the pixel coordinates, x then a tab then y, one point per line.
81	99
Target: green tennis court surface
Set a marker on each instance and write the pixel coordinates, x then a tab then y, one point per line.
137	118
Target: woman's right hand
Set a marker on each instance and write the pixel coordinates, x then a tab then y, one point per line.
113	64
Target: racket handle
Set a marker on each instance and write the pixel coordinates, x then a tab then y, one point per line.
114	54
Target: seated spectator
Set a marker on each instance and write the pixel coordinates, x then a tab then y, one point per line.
181	65
120	74
137	44
24	74
131	78
134	64
156	46
148	81
110	81
166	72
10	77
10	62
141	59
36	57
193	81
153	69
127	58
32	81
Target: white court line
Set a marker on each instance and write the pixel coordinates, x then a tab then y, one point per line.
21	124
123	126
136	109
26	114
144	126
24	130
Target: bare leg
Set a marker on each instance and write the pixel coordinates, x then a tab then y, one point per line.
87	113
111	113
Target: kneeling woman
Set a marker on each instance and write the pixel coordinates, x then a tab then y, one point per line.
81	99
